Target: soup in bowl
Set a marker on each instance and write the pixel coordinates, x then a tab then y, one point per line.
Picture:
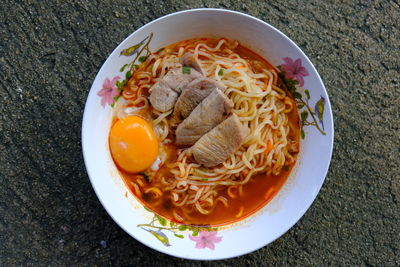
196	138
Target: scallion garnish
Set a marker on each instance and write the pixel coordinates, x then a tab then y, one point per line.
185	70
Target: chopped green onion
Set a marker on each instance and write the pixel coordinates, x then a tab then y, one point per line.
221	72
185	70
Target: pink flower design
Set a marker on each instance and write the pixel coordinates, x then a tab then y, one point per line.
109	91
294	70
206	239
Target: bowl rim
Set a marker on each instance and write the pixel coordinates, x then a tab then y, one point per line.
295	219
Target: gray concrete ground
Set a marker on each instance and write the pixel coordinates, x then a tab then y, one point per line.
50	52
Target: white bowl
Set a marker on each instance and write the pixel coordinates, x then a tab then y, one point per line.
266	225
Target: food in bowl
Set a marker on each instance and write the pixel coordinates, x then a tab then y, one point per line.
111	87
205	131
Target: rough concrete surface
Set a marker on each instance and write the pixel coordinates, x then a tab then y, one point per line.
50	52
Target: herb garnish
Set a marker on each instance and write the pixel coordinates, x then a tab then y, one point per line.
185	70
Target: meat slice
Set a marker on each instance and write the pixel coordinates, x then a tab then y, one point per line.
162	97
165	92
193	94
209	113
177	80
188	59
218	144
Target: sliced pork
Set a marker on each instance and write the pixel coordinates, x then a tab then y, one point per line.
178	78
162	97
189	60
209	113
215	146
193	94
165	92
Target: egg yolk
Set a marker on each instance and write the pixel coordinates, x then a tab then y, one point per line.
133	144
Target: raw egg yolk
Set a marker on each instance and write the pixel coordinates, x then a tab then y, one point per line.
133	144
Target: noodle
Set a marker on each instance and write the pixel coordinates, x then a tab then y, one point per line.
261	105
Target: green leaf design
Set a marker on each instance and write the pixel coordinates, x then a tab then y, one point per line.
304	116
307	94
133	50
291	86
182	227
320	107
119	85
128	74
159	50
161	220
142	59
123	67
297	95
160	236
158	231
195	233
